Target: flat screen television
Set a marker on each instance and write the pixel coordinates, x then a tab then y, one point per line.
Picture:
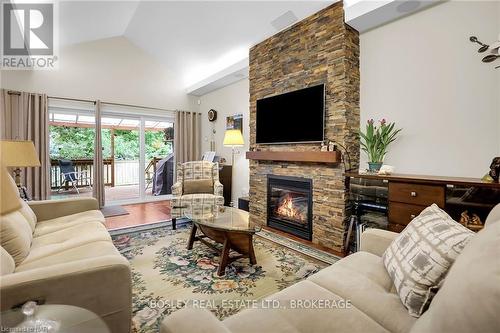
293	117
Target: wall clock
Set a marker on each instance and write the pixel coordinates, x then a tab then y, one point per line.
212	115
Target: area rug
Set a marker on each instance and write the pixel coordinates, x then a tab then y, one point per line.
166	276
109	211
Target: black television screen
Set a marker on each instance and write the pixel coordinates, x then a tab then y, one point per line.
297	116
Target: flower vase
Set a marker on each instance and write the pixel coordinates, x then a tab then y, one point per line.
374	166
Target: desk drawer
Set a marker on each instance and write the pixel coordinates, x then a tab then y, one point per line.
402	213
417	194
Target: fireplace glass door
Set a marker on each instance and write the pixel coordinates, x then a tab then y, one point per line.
289	205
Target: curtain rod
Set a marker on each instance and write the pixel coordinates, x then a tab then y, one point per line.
72	99
13	92
117	104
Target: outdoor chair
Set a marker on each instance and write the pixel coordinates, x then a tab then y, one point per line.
70	175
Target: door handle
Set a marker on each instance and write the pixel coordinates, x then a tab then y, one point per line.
413	193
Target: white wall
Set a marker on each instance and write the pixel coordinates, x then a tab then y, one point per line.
230	100
112	69
424	73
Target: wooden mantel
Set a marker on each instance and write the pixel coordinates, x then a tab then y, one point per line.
331	157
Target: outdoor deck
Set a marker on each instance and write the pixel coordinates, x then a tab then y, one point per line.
117	193
121	179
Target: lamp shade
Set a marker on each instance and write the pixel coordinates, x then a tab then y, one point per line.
9	194
233	138
18	154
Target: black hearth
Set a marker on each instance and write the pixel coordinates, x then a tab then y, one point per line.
289	205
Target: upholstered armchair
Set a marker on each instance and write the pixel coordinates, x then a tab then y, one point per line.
197	188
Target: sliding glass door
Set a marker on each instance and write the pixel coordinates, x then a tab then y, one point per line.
137	144
139	147
71	148
122	157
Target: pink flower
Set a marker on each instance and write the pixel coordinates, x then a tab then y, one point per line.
370	122
383	121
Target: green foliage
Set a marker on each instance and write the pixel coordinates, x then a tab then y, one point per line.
78	143
71	142
376	140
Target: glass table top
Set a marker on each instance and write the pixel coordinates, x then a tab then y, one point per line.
231	219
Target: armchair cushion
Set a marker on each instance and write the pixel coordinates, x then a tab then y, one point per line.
196	186
16	235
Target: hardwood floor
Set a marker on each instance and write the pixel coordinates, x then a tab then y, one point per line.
139	214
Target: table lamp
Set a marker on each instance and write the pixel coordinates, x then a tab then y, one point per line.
17	155
233	138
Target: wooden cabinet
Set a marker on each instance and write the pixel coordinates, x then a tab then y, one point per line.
407	200
405	196
417	194
226	179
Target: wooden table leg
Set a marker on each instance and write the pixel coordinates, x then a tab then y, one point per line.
192	236
224	258
251	252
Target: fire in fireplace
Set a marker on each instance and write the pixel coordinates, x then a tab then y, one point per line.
289	203
292	207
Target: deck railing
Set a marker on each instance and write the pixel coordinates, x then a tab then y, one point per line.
120	172
82	165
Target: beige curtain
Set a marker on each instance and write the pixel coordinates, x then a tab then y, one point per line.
98	176
24	116
187	136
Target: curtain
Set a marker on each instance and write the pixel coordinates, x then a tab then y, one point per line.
187	136
25	116
98	176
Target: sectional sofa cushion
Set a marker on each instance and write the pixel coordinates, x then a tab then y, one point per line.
16	235
469	300
306	318
83	251
361	277
65	239
419	258
28	214
63	222
7	264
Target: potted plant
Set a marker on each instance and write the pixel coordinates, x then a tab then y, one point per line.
376	140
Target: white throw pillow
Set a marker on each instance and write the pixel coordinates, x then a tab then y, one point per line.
419	258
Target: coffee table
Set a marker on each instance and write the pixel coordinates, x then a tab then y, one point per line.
230	228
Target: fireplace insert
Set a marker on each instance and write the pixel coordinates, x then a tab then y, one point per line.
289	205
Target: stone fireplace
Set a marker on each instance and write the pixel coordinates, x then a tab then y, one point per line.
289	205
320	49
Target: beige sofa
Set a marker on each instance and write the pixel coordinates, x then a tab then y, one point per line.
59	252
468	301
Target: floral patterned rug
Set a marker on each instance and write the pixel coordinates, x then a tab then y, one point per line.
166	276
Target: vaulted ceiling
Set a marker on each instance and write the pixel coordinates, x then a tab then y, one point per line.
194	39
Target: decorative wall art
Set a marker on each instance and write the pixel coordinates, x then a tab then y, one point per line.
235	122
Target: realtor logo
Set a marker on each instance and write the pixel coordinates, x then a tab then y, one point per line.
28	29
